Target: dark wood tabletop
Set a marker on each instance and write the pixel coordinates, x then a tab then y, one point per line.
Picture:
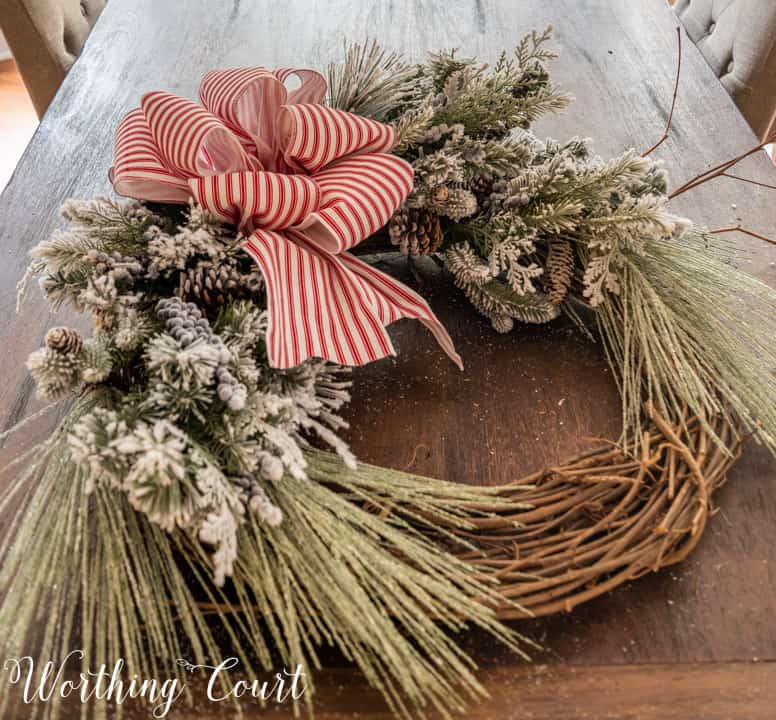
694	641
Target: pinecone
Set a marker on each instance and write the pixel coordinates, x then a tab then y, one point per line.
460	204
417	231
559	271
482	184
211	285
64	340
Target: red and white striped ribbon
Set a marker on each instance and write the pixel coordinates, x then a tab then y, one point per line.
306	181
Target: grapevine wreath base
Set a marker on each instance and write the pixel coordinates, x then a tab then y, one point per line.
603	518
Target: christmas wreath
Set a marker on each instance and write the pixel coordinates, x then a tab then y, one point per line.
188	494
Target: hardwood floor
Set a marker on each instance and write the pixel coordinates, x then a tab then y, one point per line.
17	119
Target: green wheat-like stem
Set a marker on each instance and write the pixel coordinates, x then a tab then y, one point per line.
692	335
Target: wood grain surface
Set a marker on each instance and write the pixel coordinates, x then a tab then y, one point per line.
694	691
524	400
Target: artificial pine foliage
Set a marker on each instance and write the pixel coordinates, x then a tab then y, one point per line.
552	228
193	406
548	227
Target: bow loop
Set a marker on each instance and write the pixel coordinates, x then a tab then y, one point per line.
248	100
192	140
306	182
314	136
139	170
358	196
312	85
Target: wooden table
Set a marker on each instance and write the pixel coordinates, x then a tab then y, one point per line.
696	641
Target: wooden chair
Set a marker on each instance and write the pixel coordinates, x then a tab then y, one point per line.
738	40
45	36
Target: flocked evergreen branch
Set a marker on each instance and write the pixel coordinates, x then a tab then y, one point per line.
373	82
612	217
532	48
195	423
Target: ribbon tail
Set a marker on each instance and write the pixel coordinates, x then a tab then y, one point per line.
396	301
317	306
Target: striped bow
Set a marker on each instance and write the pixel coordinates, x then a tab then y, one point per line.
305	182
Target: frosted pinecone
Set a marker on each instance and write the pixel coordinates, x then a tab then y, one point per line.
213	284
64	340
417	231
458	203
559	270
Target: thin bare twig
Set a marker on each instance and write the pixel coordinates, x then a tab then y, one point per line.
664	137
716	171
748	180
741	229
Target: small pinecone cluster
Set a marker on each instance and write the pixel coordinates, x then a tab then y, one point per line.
559	271
417	231
211	285
124	268
64	340
184	322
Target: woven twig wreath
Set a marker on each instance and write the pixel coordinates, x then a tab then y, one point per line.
603	518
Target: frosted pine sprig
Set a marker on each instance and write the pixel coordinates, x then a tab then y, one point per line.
185	405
